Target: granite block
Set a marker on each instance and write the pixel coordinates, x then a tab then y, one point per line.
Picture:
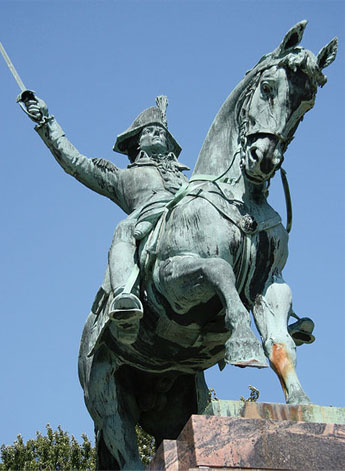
238	443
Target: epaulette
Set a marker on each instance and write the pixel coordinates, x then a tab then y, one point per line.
105	165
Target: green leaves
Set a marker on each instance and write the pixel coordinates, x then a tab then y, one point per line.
55	451
146	445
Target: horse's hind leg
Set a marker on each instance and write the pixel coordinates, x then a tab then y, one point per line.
187	281
188	394
115	414
271	313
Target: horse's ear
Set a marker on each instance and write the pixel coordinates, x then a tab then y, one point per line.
327	54
293	37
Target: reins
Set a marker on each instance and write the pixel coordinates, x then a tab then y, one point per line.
242	121
288	202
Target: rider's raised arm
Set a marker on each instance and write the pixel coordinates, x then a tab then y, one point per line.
97	174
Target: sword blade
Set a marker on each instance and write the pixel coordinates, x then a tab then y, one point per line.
12	69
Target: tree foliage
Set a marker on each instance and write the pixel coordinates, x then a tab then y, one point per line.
55	451
146	445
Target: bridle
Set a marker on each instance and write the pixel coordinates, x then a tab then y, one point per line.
243	122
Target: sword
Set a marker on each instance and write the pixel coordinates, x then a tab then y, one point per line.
25	94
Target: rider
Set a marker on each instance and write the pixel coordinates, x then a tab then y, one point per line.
142	190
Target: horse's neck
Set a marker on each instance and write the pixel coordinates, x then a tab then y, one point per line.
222	140
220	155
240	187
220	144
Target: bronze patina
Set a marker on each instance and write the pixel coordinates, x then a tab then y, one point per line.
193	258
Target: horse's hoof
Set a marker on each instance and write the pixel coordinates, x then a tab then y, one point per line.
244	349
298	399
242	361
254	363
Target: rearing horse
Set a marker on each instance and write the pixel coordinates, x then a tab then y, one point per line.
216	254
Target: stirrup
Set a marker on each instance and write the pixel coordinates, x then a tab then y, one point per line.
301	331
126	308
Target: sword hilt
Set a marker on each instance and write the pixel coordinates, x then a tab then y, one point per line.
23	98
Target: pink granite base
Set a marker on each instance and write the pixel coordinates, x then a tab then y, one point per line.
224	443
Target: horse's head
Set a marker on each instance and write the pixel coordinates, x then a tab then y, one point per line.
281	89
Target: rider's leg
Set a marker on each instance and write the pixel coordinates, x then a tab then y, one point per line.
271	312
126	309
122	255
150	214
187	281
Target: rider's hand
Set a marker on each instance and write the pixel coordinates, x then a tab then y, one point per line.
37	109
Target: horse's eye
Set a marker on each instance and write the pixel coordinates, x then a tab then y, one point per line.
266	88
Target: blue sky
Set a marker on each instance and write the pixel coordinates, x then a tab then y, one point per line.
98	64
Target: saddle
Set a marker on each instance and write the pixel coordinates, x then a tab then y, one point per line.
219	195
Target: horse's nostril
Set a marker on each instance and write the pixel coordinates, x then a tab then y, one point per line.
266	167
256	154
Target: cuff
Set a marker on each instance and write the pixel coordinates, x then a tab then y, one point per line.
44	121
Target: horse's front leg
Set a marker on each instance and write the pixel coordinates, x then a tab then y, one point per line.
271	312
187	281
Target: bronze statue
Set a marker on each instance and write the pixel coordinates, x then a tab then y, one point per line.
192	259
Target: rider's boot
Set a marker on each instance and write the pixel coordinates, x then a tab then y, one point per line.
244	349
125	311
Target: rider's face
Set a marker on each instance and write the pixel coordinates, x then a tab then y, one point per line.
153	140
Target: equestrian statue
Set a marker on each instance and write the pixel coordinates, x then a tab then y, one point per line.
194	259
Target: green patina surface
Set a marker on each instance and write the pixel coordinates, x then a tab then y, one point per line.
262	410
193	258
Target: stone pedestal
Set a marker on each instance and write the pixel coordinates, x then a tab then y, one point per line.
257	437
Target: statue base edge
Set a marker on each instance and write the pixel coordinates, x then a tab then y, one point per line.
239	443
276	411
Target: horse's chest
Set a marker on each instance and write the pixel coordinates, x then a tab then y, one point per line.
263	253
170	346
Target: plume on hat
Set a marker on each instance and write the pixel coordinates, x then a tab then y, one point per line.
162	103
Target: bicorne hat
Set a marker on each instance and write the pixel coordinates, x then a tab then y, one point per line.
153	115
